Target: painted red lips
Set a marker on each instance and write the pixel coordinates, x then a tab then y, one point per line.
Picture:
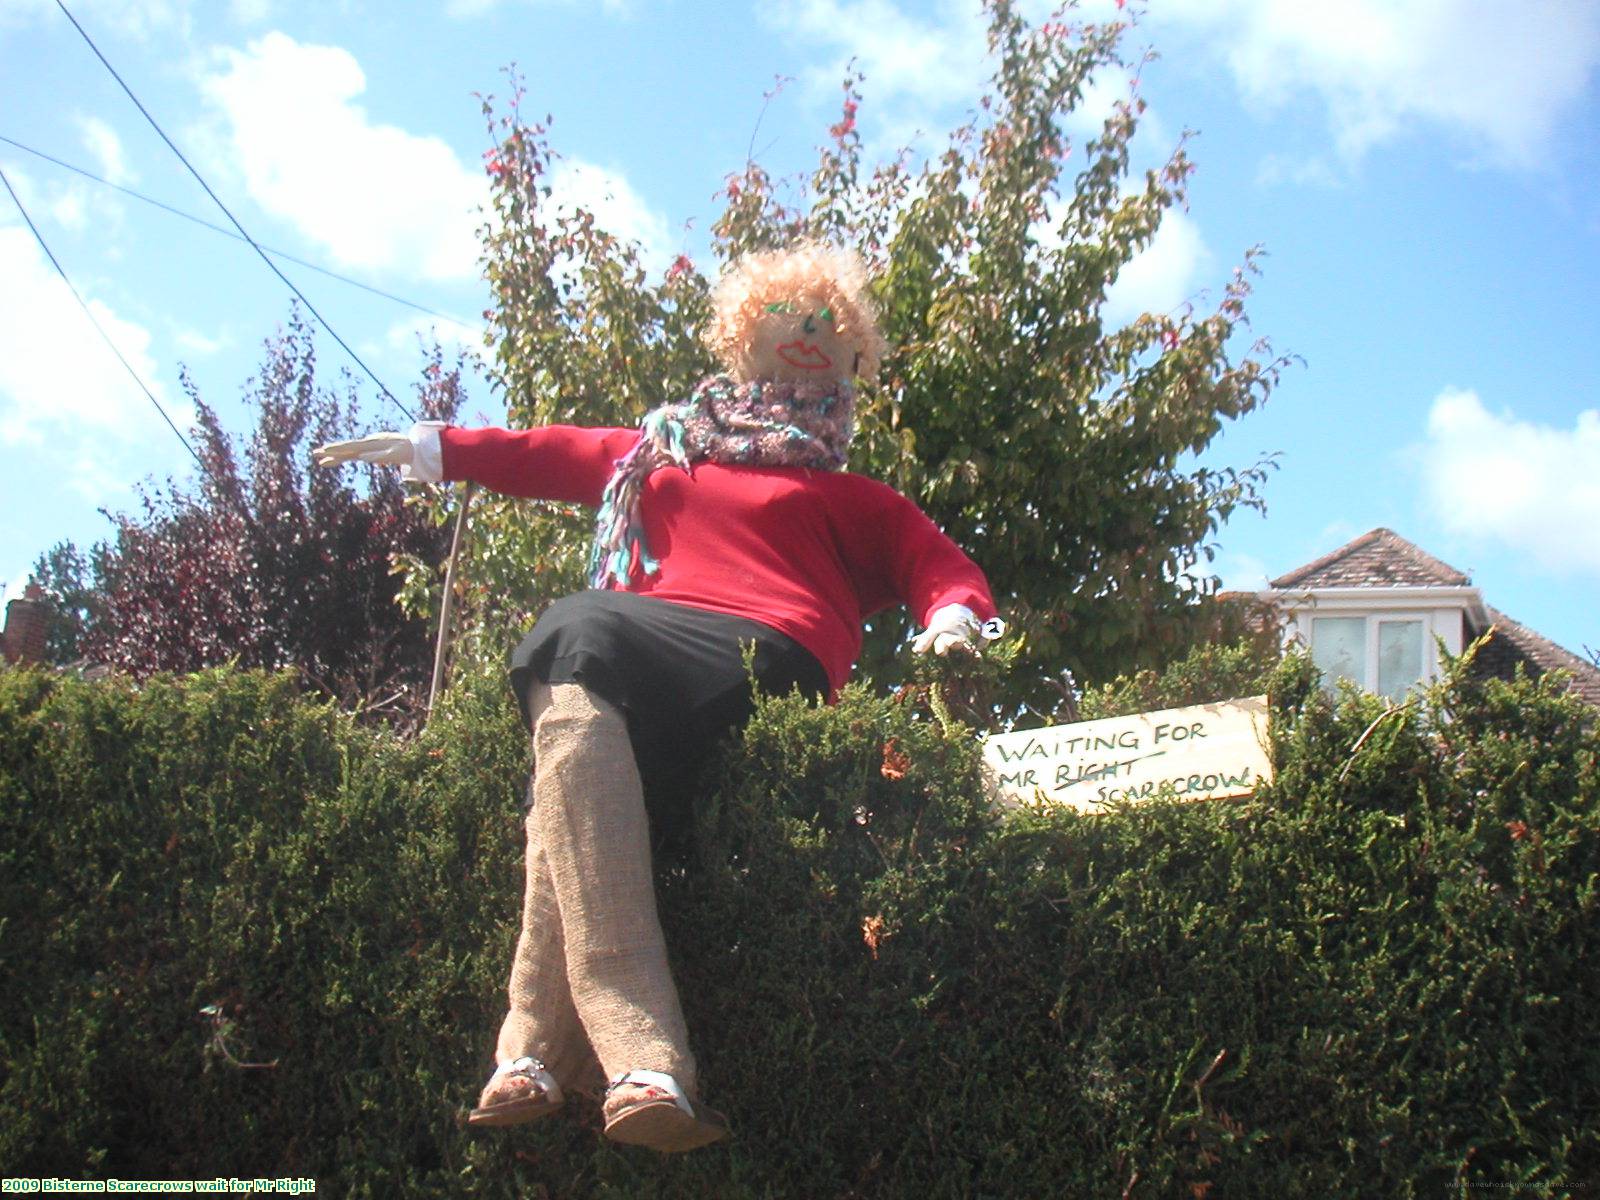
804	355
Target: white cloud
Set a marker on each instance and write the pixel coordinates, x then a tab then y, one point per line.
251	12
78	206
137	20
467	9
61	388
1162	276
1240	571
616	206
72	205
1500	77
1104	90
931	61
925	66
102	142
1315	171
1335	533
409	335
1532	487
372	196
69	208
193	342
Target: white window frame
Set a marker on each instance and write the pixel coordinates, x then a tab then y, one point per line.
1445	613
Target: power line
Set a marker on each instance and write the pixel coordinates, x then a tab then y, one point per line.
201	221
272	266
88	312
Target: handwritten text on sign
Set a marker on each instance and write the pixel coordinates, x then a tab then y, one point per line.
1206	752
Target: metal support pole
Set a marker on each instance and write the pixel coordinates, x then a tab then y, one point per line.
448	603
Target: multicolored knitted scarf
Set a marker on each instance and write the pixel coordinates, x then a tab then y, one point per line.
734	424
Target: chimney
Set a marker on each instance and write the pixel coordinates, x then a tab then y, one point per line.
27	621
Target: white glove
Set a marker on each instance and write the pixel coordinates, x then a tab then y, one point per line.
948	627
391	449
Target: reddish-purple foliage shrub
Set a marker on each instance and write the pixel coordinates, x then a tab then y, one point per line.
271	561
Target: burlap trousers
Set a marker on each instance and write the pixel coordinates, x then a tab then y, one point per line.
590	978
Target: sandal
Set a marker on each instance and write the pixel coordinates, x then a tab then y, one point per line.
658	1114
517	1091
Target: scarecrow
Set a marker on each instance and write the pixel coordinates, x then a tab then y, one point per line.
725	521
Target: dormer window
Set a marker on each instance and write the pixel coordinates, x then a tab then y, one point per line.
1387	654
1375	612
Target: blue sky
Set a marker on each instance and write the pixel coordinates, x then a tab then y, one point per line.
1419	173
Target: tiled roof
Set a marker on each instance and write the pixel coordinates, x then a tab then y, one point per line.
1514	643
1379	558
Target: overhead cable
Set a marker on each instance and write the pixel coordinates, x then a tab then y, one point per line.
254	245
201	221
93	320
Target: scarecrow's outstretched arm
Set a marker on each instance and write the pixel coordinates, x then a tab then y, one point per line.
570	463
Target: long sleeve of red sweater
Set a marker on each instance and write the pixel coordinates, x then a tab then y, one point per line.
554	462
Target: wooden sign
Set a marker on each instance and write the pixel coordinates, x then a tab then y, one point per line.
1206	752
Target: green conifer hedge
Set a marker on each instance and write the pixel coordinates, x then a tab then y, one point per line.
241	937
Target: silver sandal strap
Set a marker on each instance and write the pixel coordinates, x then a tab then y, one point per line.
532	1069
655	1079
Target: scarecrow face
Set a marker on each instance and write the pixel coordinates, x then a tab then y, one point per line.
795	342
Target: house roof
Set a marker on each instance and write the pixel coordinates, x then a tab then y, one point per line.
1513	643
1378	558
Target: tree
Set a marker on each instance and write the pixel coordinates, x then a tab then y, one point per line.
267	561
1056	449
66	577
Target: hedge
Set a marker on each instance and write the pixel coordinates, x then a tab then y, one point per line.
243	937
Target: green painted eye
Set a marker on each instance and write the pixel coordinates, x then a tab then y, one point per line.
826	314
780	306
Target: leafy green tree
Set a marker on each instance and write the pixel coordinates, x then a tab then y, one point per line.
1057	449
67	575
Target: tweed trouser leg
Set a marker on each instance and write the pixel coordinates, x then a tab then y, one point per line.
591	946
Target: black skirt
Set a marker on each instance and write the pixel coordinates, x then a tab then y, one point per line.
677	673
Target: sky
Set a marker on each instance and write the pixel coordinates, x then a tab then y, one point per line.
1418	173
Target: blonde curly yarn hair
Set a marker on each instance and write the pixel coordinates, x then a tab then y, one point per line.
810	275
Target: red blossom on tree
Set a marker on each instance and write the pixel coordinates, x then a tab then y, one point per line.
846	125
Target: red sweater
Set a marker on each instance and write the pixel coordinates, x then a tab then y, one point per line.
809	553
